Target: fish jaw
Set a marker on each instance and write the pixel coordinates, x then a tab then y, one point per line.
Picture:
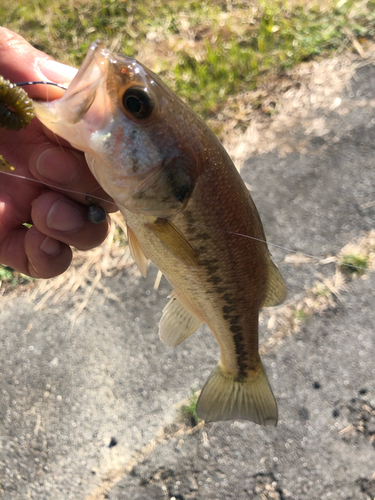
85	107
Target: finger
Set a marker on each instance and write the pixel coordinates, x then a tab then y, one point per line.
65	220
12	250
66	169
12	232
16	196
21	62
46	257
63	169
20	246
34	254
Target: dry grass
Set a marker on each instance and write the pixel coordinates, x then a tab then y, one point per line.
84	276
288	318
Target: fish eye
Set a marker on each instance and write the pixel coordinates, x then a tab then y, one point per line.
138	102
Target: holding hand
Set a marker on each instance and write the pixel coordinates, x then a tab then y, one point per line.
59	218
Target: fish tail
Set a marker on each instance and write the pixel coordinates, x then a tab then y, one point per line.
225	397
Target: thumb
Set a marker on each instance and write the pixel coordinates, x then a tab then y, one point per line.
21	62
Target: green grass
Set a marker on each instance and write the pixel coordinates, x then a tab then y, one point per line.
6	273
206	51
353	263
12	277
188	411
322	290
278	40
300	315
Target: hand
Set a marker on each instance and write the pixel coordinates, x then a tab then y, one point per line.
58	217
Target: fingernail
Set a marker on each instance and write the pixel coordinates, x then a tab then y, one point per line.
50	246
57	72
64	217
59	165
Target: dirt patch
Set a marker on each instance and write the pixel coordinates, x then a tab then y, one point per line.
359	413
367	486
312	89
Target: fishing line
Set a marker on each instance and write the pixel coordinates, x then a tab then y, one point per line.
93	208
97	214
16	107
52	186
22	84
275	245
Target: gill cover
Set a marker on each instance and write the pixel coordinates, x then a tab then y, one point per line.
158	161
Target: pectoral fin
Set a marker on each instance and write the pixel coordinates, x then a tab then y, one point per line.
177	322
171	236
137	252
276	291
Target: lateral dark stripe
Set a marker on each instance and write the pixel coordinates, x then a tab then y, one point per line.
239	343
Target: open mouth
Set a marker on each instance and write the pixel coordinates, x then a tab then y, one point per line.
85	107
82	92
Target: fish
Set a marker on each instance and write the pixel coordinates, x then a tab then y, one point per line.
187	210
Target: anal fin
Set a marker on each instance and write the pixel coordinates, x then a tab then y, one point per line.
137	252
177	322
276	290
225	398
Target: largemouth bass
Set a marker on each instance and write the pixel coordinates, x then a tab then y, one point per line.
187	210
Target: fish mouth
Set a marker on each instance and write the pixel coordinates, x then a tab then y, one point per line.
85	102
81	93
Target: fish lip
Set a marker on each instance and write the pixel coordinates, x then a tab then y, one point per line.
80	95
98	55
74	105
84	107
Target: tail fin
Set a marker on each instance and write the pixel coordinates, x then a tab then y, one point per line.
225	398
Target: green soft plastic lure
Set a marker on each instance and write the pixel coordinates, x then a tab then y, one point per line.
16	107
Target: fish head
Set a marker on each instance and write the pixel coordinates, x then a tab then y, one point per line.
141	141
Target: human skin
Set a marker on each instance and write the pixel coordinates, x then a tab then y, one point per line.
58	217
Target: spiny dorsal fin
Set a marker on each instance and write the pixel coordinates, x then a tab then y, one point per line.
225	398
171	236
276	290
137	252
177	322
